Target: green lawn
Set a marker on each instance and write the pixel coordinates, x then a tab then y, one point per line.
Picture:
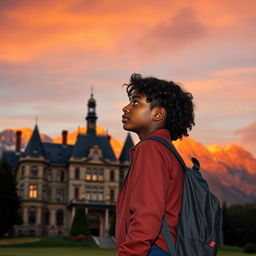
62	247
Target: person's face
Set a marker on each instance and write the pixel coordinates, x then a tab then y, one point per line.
138	117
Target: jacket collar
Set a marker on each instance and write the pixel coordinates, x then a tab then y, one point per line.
162	133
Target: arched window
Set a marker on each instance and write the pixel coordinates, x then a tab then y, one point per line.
46	216
60	176
32	215
77	174
33	191
59	217
33	171
112	175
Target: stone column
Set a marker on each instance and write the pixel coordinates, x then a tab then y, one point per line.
73	214
106	221
53	217
39	216
25	216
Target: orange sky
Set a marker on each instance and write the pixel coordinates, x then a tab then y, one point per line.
52	51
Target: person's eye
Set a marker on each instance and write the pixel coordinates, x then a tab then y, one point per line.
135	102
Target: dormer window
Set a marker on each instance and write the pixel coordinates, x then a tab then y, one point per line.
60	155
95	152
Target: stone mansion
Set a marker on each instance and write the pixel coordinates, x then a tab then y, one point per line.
53	179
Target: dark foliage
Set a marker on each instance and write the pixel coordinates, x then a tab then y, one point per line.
239	224
9	201
250	248
80	224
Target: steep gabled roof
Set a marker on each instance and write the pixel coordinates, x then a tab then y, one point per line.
58	153
35	146
85	142
128	144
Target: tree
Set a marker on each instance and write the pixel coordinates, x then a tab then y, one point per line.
9	201
112	225
239	224
80	224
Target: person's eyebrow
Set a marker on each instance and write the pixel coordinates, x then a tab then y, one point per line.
134	96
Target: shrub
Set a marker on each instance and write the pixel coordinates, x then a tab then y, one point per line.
250	248
80	225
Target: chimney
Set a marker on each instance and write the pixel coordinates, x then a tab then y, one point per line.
18	141
64	137
108	136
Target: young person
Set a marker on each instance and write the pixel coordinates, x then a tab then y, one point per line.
153	186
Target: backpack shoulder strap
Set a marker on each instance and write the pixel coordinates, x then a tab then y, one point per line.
171	147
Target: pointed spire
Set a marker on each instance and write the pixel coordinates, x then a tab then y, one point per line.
35	146
91	116
128	144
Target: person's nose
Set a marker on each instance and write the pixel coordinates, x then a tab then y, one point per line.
126	109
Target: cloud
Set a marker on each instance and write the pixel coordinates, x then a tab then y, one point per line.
247	137
234	71
247	133
180	31
52	51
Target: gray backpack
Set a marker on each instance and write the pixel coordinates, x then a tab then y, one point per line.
199	230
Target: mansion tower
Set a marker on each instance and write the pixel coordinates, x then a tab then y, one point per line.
53	179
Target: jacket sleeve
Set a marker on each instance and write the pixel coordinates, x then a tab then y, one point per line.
148	199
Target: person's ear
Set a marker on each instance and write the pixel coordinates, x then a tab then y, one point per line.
159	113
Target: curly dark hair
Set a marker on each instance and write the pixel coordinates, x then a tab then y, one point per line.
176	101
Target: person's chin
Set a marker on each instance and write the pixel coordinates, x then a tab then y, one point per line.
126	127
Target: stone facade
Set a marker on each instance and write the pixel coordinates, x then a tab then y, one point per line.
53	179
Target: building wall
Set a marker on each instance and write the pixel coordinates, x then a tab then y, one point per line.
43	188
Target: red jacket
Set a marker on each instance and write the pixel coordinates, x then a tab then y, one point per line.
152	188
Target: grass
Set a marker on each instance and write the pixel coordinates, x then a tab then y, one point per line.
49	246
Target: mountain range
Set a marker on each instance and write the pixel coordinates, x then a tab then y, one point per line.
229	170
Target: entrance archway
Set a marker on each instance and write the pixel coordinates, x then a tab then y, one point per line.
94	224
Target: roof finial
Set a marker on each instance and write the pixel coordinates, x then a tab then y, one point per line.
36	119
92	90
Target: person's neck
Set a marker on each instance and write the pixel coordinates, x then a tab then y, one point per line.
145	134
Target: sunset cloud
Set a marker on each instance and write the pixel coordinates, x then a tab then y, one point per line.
51	52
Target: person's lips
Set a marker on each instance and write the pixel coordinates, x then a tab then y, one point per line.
124	118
